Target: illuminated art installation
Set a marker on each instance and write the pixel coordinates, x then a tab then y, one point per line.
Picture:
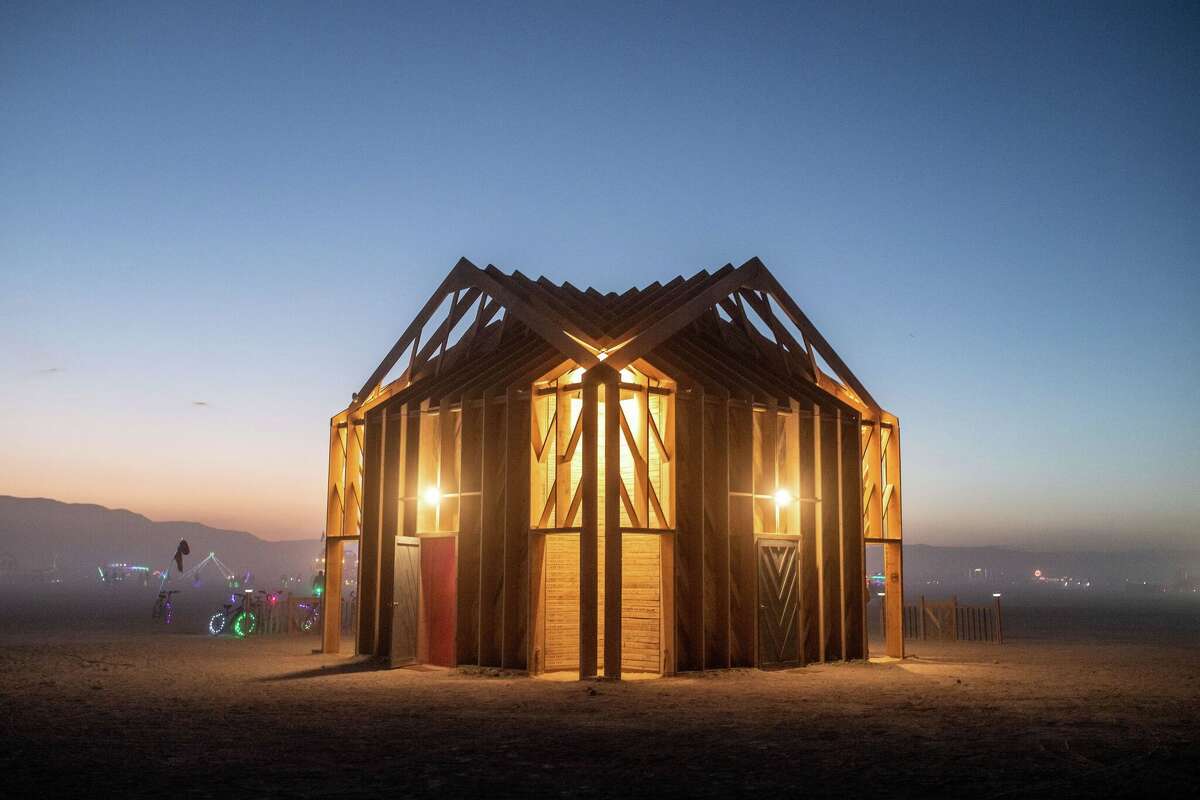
548	479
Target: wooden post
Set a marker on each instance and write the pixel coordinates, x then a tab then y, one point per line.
715	417
612	520
372	524
999	624
394	426
922	618
589	533
688	468
491	558
515	649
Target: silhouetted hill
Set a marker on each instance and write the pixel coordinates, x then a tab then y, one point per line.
35	533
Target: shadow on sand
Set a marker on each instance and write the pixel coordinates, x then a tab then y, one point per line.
345	668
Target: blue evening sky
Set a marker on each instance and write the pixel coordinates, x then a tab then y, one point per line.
991	211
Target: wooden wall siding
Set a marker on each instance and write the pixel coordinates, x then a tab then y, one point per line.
742	569
716	533
560	646
370	543
491	558
641	603
515	648
854	580
470	517
808	446
689	536
394	425
830	542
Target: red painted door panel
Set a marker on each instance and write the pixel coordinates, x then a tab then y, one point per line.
438	598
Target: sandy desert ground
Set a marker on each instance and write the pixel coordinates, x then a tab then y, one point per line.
137	713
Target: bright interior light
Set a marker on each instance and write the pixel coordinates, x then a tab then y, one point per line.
601	355
782	497
431	495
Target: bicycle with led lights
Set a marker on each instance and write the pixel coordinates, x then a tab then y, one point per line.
238	616
164	608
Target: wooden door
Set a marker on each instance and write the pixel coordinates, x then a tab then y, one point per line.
778	604
438	600
406	600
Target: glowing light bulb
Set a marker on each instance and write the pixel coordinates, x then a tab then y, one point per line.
601	355
431	495
782	497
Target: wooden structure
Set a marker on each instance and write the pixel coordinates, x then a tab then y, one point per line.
680	477
947	621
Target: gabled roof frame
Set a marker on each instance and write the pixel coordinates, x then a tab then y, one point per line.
588	327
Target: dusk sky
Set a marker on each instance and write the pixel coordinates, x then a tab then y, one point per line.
215	220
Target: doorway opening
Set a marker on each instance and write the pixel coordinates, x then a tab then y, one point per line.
424	613
778	603
644	639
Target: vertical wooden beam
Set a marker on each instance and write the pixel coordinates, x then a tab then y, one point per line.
831	534
331	601
612	520
562	466
369	546
491	558
515	645
808	447
411	485
742	572
716	532
589	533
352	511
688	469
893	557
854	581
470	514
331	634
394	427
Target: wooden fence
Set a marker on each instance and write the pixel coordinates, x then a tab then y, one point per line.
288	612
947	621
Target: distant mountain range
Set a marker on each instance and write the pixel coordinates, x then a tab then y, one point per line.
1011	569
37	535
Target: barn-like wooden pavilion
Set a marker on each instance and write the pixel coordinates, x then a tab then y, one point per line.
680	477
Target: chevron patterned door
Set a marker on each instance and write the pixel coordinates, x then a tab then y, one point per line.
778	604
406	601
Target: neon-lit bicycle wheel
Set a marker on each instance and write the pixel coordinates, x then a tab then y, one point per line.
308	623
216	623
243	624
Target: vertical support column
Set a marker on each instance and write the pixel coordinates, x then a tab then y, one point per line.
589	533
742	570
893	557
372	524
612	520
831	535
688	470
331	634
715	416
470	469
562	465
515	644
394	426
808	445
491	548
854	580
